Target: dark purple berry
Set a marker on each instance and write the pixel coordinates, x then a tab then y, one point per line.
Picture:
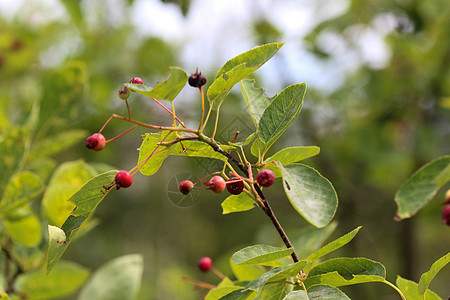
265	178
123	179
446	215
95	142
216	184
235	185
124	93
136	80
185	187
205	264
197	80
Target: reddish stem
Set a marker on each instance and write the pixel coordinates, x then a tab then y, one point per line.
123	133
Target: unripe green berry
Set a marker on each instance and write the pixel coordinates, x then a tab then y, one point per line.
124	93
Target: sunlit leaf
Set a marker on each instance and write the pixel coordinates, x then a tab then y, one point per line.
427	277
290	155
410	290
225	287
346	271
311	194
336	244
198	149
237	203
237	69
246	272
65	279
166	90
280	113
420	188
151	148
119	279
86	200
254	99
260	254
26	230
20	190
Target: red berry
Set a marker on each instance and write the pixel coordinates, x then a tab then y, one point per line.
447	197
185	187
197	79
136	80
265	178
123	179
446	215
235	185
216	184
205	264
124	93
95	142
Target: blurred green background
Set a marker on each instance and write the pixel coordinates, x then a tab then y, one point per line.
378	100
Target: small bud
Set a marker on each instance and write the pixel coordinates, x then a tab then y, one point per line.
124	93
197	79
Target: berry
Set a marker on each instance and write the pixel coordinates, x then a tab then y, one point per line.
197	79
185	187
136	80
216	184
124	93
123	179
447	197
265	178
95	142
205	264
235	185
446	215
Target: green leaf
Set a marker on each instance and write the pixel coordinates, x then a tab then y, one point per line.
290	155
65	279
150	147
420	188
260	254
119	279
57	143
274	291
443	177
237	203
297	295
246	272
427	277
276	274
241	294
166	90
310	239
277	117
225	287
65	181
237	69
410	290
336	244
86	200
311	194
346	271
249	139
254	99
25	230
320	292
21	189
199	149
257	147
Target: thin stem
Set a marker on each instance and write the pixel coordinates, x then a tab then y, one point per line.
155	126
106	123
166	109
123	133
218	273
179	139
199	284
397	289
128	109
203	108
174	115
215	125
207	118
